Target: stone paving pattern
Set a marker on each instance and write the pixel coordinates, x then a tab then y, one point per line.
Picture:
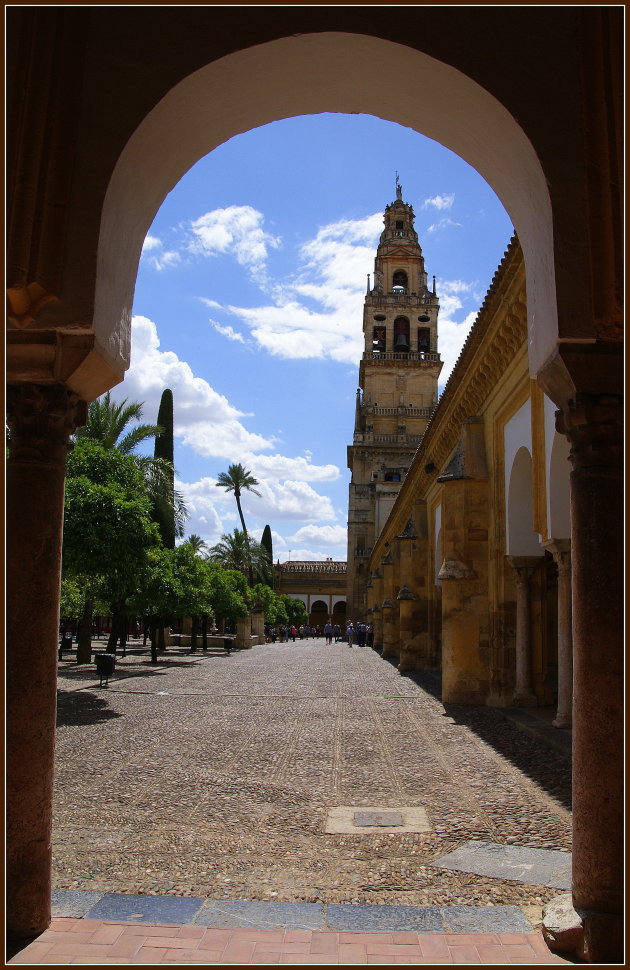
212	777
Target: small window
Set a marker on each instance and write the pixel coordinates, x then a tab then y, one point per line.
399	224
392	476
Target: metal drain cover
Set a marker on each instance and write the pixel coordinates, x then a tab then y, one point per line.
373	819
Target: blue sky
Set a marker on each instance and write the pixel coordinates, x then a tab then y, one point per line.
248	305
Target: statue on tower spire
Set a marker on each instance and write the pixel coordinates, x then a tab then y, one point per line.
398	189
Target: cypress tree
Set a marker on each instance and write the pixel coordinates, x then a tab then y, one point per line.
266	544
164	449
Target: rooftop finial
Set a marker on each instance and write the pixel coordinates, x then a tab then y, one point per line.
398	188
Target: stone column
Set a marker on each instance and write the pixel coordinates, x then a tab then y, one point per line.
377	625
41	419
390	612
561	552
243	639
594	426
389	628
405	605
524	567
377	616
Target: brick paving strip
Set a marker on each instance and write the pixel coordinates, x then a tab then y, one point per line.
84	942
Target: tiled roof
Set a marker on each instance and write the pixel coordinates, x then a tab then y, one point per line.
328	566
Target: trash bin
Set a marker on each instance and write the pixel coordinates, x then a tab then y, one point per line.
66	643
228	643
105	664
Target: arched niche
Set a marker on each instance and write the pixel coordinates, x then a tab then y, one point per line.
558	470
521	540
309	74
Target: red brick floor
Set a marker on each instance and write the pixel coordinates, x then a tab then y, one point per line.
83	942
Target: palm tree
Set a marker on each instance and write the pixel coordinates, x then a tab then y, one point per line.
236	551
195	542
107	421
237	479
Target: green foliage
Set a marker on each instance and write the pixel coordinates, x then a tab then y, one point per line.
72	599
108	528
295	609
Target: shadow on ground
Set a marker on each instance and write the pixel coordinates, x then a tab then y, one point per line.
533	756
78	708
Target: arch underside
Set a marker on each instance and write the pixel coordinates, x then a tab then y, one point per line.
311	74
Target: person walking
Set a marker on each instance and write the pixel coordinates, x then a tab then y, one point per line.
361	634
350	633
328	632
337	632
293	633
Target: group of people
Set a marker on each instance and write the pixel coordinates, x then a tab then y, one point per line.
362	634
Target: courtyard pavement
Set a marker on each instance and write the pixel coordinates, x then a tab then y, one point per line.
217	783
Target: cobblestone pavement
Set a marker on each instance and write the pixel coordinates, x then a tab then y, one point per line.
213	776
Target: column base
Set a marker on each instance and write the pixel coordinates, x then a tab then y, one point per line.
562	721
524	699
603	937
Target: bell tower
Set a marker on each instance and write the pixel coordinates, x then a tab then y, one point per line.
397	392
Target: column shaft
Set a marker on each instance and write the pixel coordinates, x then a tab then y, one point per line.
524	567
594	425
40	419
562	557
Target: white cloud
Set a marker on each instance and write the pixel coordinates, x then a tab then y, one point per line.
204	419
321	535
318	314
228	332
278	467
289	500
439	201
151	242
158	258
451	340
442	224
237	229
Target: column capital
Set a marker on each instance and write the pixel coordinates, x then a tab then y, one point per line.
41	418
524	566
560	549
593	423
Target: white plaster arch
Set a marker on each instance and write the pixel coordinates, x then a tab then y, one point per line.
520	538
310	74
558	471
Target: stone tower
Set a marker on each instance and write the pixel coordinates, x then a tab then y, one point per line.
397	391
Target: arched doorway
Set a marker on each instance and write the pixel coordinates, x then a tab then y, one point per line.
76	334
319	614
